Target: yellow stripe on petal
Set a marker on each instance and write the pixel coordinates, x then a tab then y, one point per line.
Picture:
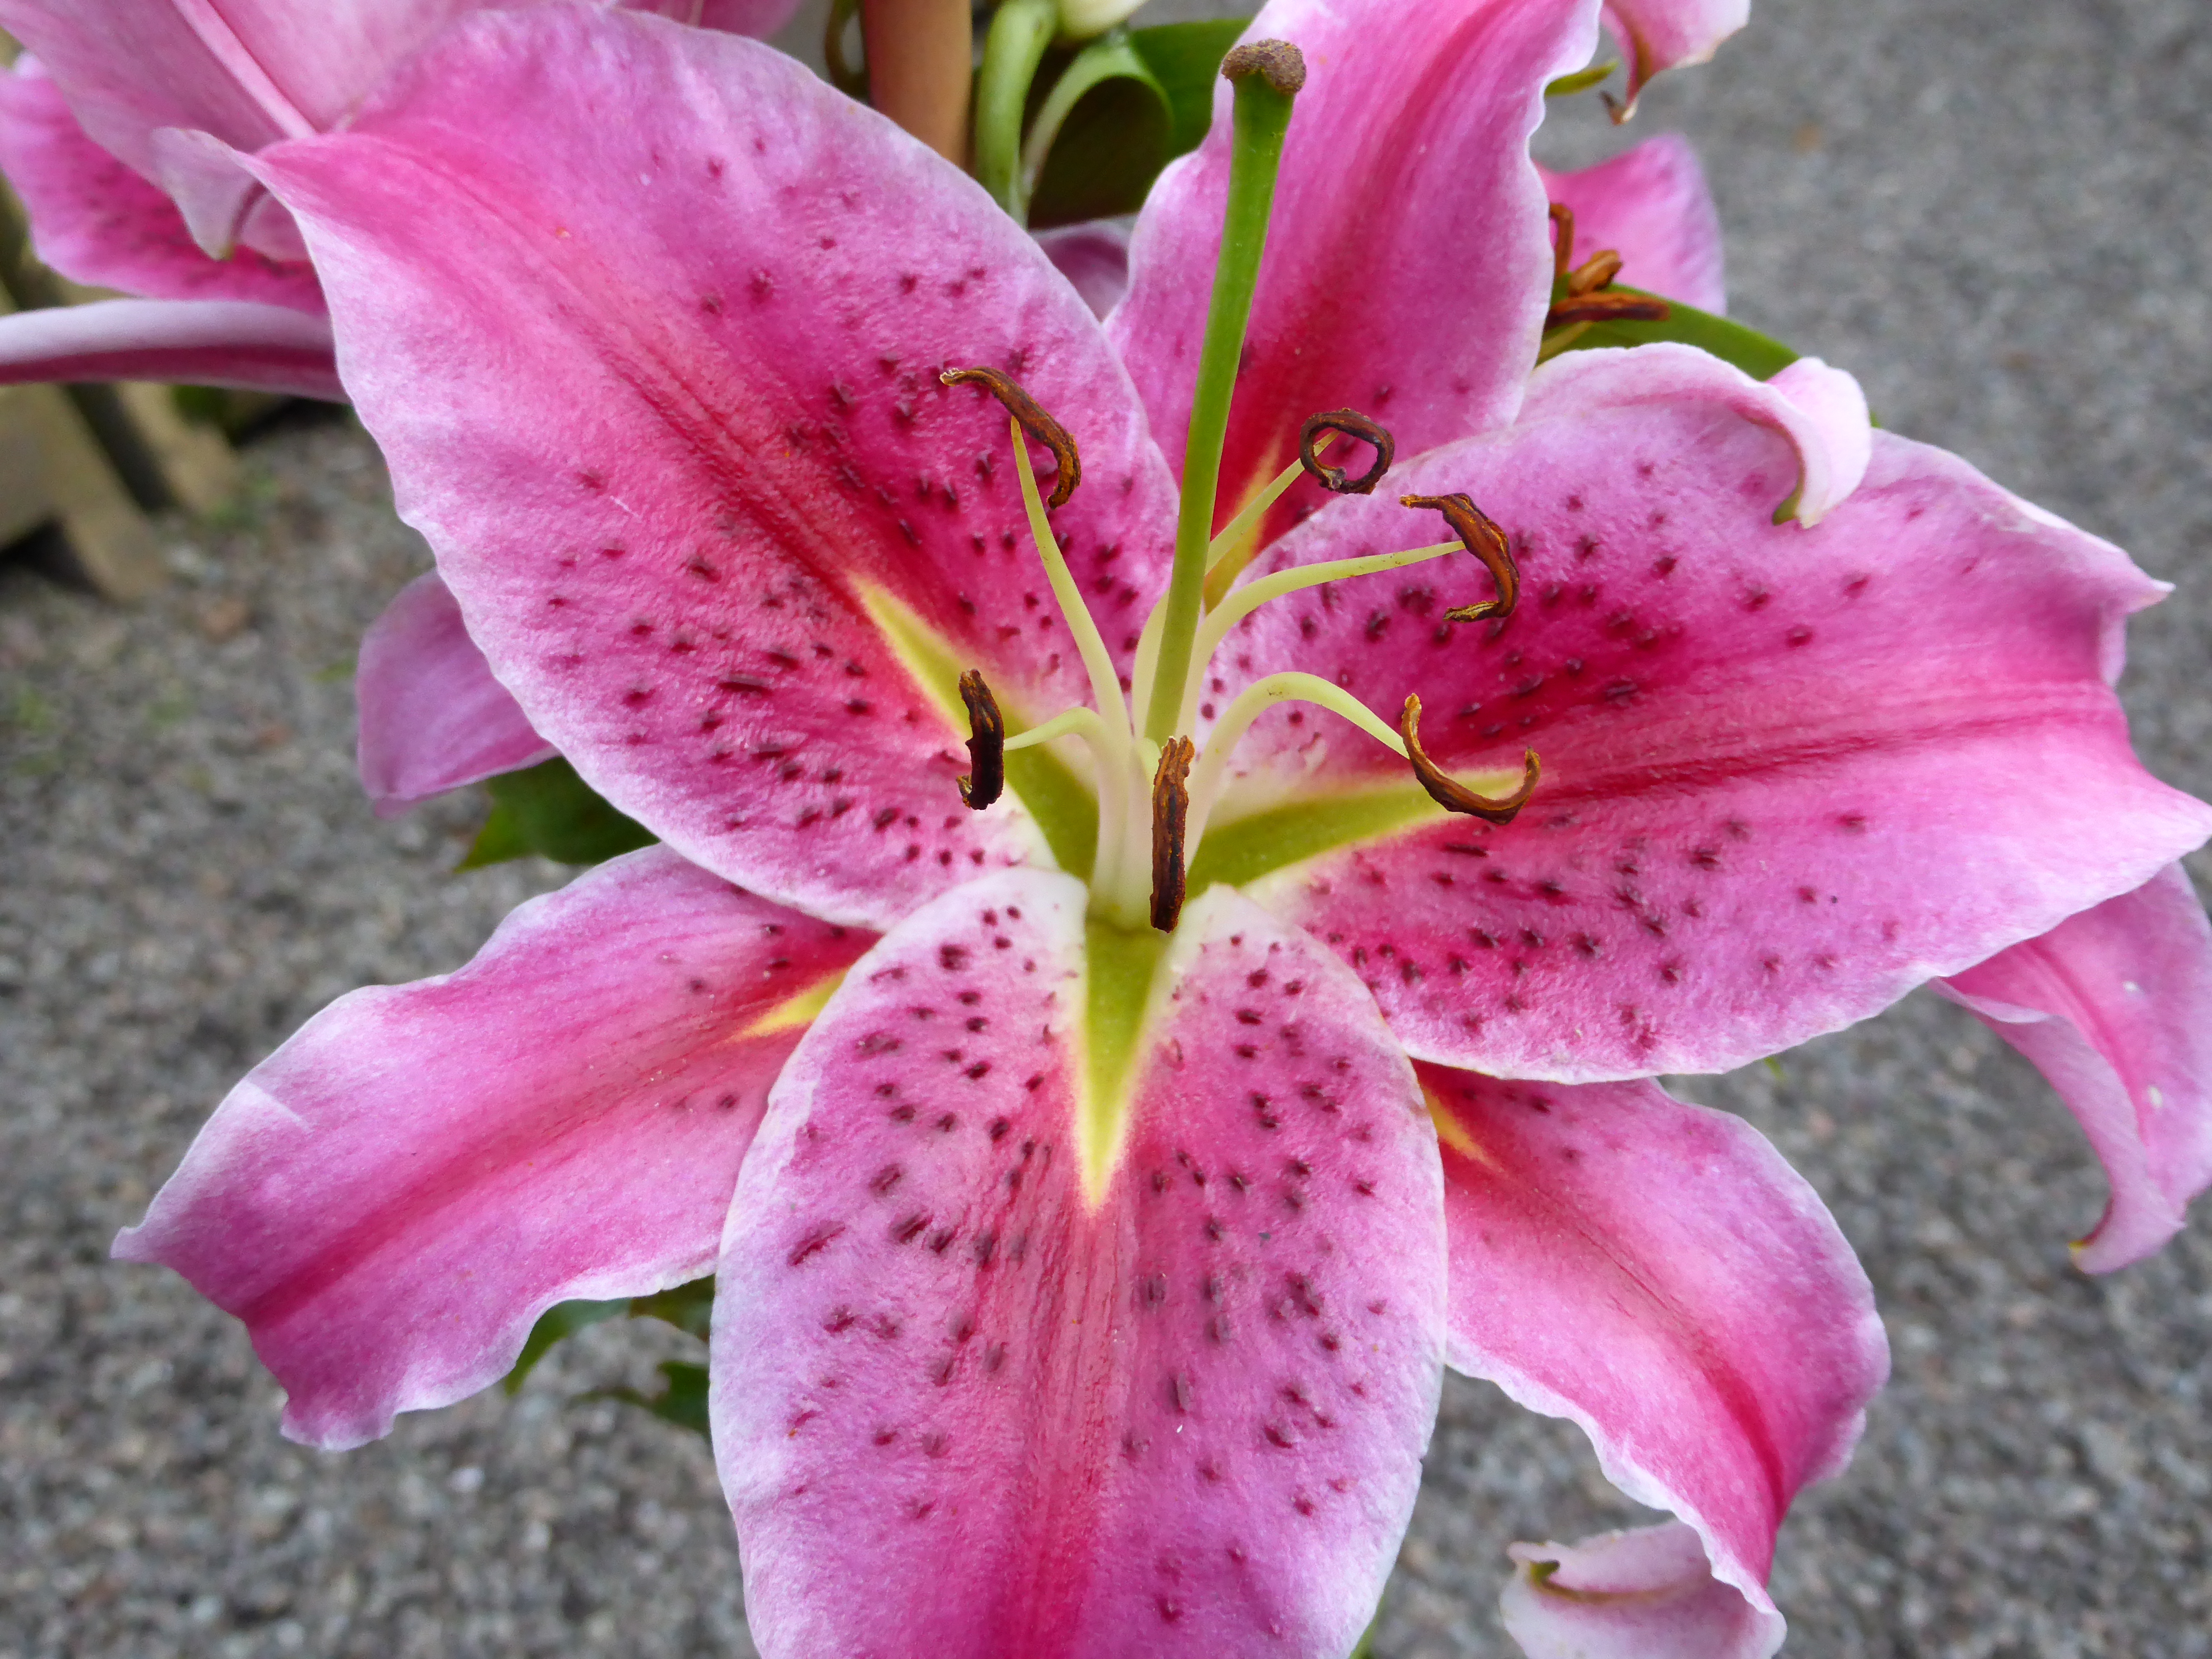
1453	1134
796	1010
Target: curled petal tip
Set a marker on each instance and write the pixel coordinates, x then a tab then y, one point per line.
1031	416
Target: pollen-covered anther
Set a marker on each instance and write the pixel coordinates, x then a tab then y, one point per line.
1352	424
1033	420
1481	537
987	746
1449	792
1170	822
1584	292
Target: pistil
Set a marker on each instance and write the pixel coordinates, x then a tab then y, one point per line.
1267	75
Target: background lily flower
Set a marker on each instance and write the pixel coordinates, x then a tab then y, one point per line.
119	135
1026	1243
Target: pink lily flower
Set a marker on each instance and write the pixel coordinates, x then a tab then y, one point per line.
119	131
1085	1288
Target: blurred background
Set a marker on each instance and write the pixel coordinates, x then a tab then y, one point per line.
1993	212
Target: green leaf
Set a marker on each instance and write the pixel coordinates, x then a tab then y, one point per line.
1757	355
1119	129
1185	59
1580	81
549	810
557	1323
681	1400
689	1307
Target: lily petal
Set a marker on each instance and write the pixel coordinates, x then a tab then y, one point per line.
96	221
1651	205
391	1198
1788	774
1409	254
2114	1006
431	718
1649	1593
673	425
1656	1274
965	1404
131	67
1820	409
232	343
253	71
1095	257
758	18
1664	35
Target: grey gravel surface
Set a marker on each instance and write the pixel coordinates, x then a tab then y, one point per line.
1990	210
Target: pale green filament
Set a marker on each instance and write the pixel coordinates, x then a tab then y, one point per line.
1105	684
1243	601
1247	523
1254	701
1080	722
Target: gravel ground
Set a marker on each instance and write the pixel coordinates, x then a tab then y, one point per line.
1990	209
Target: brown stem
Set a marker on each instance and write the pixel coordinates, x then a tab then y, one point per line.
920	67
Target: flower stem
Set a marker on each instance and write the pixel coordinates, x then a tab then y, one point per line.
1020	32
1262	116
920	58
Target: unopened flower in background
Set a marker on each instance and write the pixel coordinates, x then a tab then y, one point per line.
1041	1236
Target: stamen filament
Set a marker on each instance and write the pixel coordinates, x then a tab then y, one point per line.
1249	520
1266	75
1254	701
1105	684
1082	722
1243	601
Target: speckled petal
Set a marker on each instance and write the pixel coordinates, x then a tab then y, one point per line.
96	221
431	716
1409	256
235	342
2114	1006
1656	1274
961	1407
391	1198
1651	205
1818	410
1648	1593
1789	774
662	393
1664	35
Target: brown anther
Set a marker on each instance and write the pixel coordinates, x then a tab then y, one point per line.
1606	308
1030	413
1170	814
1594	273
1563	238
1352	424
1452	794
1483	538
987	749
1277	62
